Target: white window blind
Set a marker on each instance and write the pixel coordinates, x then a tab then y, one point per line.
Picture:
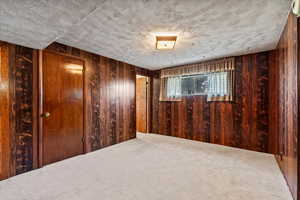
174	87
217	84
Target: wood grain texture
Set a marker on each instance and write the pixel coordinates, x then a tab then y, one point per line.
284	104
63	129
243	123
149	74
23	105
5	154
141	104
274	102
143	72
17	64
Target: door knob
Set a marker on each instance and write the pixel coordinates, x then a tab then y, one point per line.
45	115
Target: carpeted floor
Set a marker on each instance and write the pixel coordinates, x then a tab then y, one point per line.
154	167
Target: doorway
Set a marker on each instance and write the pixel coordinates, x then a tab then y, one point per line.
142	103
61	107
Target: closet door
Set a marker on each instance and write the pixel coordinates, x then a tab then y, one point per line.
62	102
141	104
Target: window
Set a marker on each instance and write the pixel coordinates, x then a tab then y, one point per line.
194	85
211	84
213	79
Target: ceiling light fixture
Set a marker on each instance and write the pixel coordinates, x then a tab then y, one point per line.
165	42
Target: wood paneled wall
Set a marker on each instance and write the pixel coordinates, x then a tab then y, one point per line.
284	91
109	111
243	123
17	123
23	105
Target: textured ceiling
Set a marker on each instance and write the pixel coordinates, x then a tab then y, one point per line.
125	29
37	23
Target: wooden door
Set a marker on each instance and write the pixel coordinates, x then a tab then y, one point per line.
5	130
141	104
62	118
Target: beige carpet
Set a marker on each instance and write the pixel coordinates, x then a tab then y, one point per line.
154	167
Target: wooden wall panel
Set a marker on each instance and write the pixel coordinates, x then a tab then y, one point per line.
23	108
284	103
143	72
92	97
243	123
155	102
273	102
18	123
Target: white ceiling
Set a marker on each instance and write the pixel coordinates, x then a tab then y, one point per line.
125	29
